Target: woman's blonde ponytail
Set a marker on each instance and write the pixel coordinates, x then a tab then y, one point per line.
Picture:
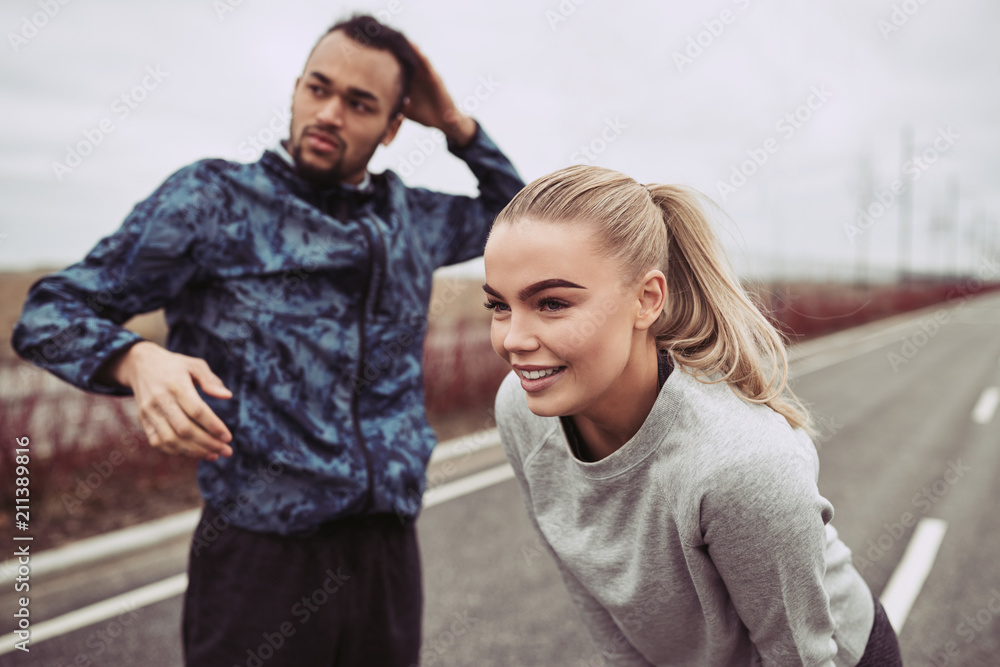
709	322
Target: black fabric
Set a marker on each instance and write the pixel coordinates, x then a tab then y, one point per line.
882	649
349	595
663	367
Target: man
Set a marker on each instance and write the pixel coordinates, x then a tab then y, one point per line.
296	289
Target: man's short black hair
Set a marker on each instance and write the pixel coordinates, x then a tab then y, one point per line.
367	31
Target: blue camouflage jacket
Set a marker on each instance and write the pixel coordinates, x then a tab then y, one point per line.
311	306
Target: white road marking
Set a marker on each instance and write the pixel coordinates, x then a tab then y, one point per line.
465	445
986	406
832	357
120	605
176	585
907	580
85	552
461	487
152	533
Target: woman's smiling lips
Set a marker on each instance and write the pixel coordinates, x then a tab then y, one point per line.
537	378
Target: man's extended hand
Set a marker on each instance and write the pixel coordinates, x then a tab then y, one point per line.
173	415
430	104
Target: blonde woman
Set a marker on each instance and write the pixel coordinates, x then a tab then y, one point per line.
660	455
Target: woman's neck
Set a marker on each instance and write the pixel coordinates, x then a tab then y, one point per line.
606	427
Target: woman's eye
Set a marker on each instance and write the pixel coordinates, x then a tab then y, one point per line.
552	305
495	306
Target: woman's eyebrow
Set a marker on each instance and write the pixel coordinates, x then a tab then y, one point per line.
532	290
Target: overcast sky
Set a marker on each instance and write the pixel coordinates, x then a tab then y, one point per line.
685	92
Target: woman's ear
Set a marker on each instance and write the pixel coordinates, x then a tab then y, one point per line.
652	295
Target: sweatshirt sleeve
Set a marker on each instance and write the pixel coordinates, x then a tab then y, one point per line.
764	526
609	641
456	227
71	321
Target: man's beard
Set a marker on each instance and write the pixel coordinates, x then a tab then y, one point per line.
321	177
333	175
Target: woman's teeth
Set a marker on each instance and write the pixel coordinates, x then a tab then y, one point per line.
535	375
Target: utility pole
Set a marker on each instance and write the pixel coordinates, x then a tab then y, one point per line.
906	212
955	225
862	244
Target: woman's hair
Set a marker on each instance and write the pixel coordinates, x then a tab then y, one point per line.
708	322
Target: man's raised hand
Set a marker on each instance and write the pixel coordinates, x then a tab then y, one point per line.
430	104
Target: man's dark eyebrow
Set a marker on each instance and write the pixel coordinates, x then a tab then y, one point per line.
325	80
532	290
359	93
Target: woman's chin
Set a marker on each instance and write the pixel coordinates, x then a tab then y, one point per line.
544	407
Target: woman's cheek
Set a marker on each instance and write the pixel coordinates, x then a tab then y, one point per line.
574	336
497	333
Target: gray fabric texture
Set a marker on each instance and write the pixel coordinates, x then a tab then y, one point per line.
702	541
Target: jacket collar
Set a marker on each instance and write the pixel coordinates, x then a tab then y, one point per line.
364	186
283	169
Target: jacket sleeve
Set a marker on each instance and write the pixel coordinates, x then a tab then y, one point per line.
609	641
455	227
71	321
765	529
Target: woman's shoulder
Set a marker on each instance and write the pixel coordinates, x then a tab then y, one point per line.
735	438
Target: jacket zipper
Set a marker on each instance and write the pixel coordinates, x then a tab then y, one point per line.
362	347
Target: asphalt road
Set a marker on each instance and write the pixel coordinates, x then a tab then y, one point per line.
906	434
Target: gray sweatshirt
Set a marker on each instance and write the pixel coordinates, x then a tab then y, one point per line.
703	541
